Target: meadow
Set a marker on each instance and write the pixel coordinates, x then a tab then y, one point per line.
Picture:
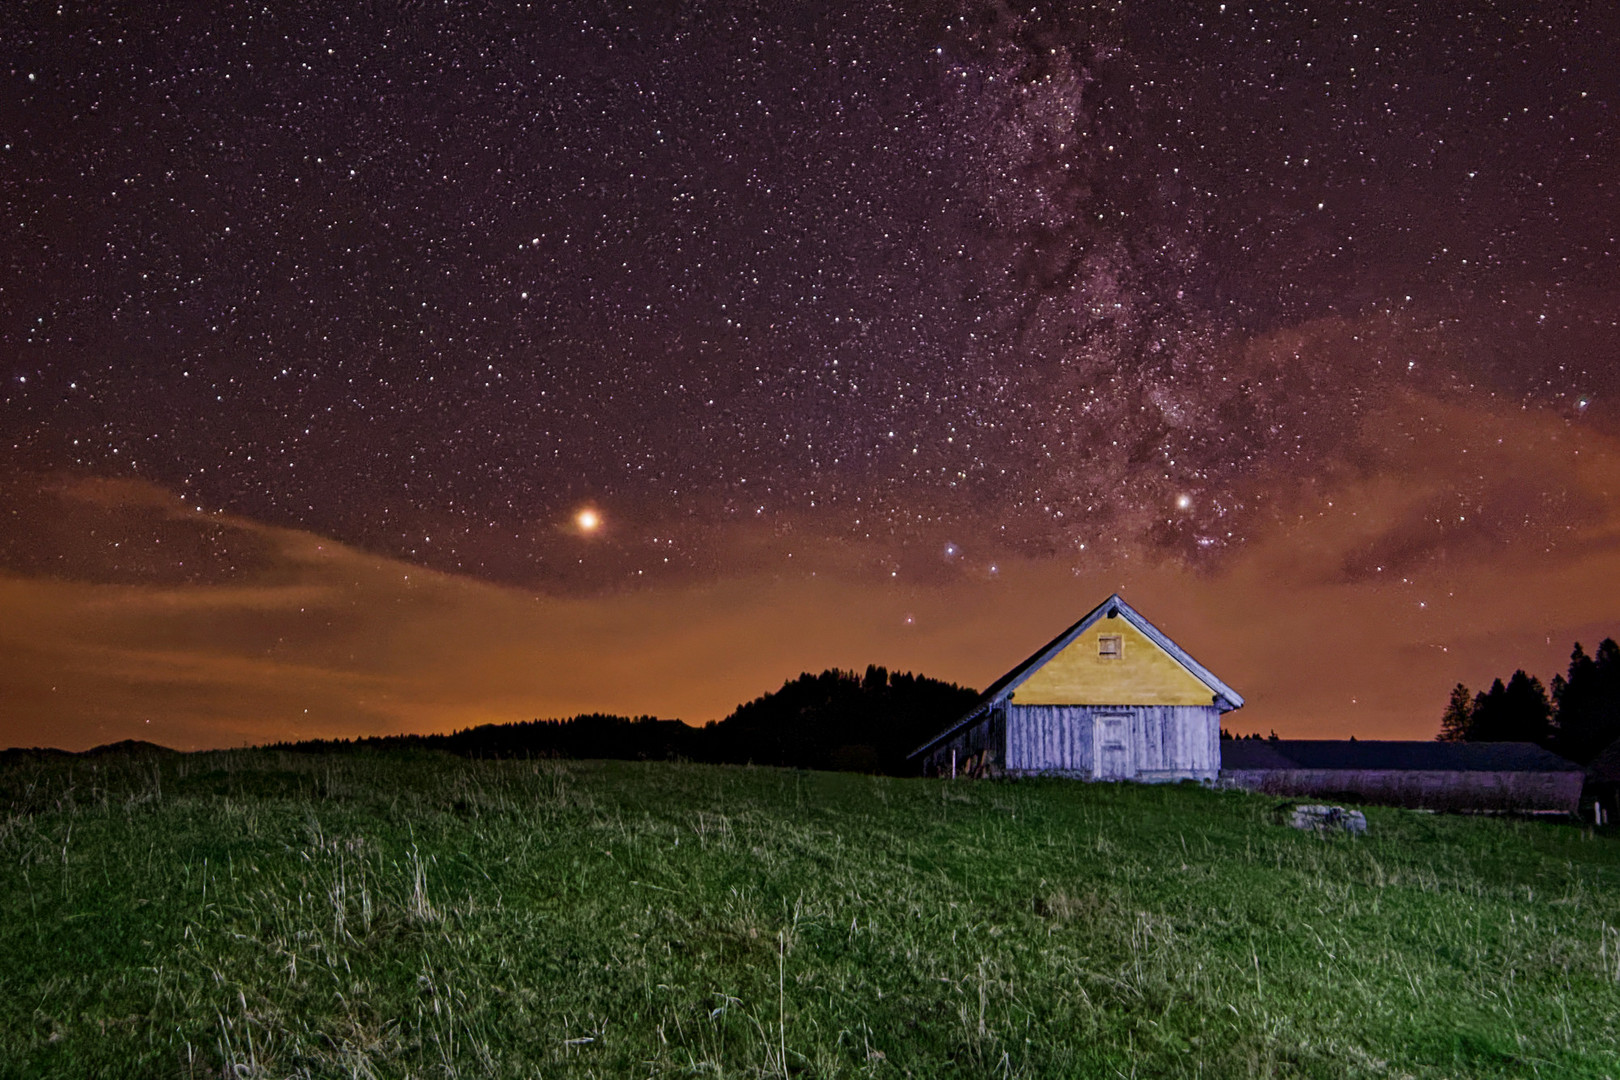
269	914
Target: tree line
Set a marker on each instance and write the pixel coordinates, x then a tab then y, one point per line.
1578	718
840	720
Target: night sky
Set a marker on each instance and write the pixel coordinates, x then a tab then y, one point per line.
892	333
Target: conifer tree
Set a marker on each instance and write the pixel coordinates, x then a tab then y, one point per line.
1588	702
1579	720
1516	712
1458	720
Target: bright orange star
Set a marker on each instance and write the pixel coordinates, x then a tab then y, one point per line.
588	520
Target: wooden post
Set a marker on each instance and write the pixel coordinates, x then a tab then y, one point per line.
953	763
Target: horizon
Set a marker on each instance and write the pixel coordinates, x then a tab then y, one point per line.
368	673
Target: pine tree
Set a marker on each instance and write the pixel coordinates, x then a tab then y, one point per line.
1579	721
1516	712
1588	702
1529	710
1575	699
1606	728
1485	716
1458	720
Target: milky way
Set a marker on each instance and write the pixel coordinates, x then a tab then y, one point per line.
1063	282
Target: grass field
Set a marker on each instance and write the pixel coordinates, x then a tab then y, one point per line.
254	913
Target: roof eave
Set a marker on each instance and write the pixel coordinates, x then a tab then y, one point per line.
1225	700
1181	656
973	714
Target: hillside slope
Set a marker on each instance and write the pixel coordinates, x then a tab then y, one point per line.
273	914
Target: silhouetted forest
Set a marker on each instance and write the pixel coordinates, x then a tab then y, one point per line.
1577	719
841	720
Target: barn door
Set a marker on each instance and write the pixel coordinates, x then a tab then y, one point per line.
1113	747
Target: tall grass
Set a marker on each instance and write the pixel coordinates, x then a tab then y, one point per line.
262	914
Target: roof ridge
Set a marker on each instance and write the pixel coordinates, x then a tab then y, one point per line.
1115	604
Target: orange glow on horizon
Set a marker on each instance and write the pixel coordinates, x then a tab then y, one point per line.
1349	610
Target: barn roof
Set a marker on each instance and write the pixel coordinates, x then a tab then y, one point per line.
1114	606
1391	755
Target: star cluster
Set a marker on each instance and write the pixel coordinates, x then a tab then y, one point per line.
440	280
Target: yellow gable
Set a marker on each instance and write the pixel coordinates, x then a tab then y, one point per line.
1112	663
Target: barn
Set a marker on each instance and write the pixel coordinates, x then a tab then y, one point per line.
1110	698
1516	776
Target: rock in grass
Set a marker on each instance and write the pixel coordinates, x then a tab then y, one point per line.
1329	818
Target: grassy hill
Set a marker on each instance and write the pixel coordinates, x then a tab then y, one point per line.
258	913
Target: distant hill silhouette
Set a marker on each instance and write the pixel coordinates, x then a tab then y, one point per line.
131	748
589	735
840	720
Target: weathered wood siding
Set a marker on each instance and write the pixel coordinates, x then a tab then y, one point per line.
1431	789
1049	738
1168	742
979	749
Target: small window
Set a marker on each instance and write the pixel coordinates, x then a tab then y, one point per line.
1110	646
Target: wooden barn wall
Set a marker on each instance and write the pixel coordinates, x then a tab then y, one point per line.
1426	788
979	749
1168	741
1049	738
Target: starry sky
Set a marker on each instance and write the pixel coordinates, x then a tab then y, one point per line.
893	332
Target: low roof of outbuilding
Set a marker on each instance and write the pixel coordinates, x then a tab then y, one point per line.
1394	755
